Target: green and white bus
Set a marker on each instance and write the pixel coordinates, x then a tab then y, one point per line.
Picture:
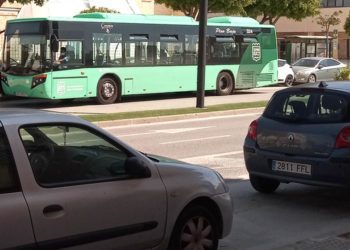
114	55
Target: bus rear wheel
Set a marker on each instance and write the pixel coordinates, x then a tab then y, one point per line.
224	84
107	91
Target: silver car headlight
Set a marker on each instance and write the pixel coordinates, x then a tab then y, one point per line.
222	181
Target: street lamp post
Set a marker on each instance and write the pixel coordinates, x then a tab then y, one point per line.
202	53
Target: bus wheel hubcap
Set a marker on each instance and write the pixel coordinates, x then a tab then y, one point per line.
108	90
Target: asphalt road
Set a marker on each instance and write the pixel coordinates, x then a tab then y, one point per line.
295	217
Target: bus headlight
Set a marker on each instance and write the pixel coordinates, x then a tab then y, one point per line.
38	79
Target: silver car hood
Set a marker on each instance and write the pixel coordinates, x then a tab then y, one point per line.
195	177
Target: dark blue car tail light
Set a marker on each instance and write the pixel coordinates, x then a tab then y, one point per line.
38	79
343	138
252	130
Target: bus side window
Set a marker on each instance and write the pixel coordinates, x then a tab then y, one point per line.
74	53
107	49
191	49
223	50
139	53
170	50
150	54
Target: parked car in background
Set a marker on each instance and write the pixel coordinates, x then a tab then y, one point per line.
67	183
285	73
312	69
303	136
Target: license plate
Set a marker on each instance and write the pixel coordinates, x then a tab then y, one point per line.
291	167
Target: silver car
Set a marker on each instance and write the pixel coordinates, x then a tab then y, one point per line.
312	69
65	183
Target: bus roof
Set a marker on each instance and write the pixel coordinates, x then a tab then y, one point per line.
115	17
236	21
149	19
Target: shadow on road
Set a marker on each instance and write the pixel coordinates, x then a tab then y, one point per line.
294	213
297	195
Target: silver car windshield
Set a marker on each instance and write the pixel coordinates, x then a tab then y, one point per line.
310	63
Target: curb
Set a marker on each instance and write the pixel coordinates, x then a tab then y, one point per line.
148	120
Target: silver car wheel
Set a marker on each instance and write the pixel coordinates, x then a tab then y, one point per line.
289	80
196	228
196	234
312	79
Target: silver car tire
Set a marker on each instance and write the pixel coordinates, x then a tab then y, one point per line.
289	80
311	79
196	228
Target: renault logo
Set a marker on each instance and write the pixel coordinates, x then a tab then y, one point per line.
290	138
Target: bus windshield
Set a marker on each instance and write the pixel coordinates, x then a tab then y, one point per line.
26	55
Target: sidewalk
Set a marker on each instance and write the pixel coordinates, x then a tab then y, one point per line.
130	104
135	121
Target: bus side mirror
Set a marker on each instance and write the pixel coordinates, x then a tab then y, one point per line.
54	43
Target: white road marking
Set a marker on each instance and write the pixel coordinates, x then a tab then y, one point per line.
182	121
137	134
166	131
181	130
243	177
198	139
212	156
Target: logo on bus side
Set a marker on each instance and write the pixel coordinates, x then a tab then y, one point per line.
256	52
107	27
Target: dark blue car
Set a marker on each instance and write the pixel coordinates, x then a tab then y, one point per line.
303	136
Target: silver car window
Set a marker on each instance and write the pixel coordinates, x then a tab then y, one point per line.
64	155
281	63
305	62
8	175
323	63
331	62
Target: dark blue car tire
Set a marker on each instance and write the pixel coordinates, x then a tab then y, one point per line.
263	185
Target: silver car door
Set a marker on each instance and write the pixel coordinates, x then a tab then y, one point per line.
334	69
84	197
16	227
322	71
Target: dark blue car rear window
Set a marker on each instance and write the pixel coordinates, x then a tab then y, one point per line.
309	107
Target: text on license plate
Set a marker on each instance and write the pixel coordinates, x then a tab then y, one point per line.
291	167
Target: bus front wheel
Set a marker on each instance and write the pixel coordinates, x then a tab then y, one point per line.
224	84
107	91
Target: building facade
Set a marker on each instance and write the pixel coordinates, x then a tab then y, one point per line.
307	38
